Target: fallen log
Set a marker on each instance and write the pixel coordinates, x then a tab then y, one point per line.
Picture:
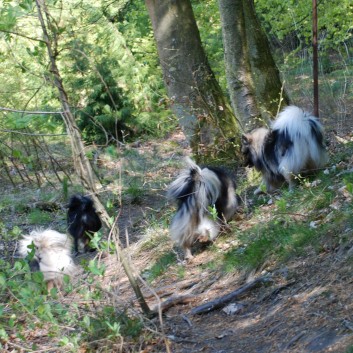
222	301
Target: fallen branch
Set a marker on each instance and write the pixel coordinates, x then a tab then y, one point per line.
277	290
171	289
220	302
347	324
294	340
172	301
27	111
187	320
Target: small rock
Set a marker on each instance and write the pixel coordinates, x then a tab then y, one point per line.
233	308
313	224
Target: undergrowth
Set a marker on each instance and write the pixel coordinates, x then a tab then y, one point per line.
28	310
284	226
291	224
274	229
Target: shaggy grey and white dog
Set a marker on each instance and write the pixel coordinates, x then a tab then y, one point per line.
294	144
52	255
196	190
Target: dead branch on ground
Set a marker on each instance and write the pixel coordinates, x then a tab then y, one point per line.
220	302
174	300
172	288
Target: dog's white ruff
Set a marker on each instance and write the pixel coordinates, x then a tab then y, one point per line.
52	251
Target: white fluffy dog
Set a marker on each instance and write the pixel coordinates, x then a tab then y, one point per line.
196	190
52	255
293	145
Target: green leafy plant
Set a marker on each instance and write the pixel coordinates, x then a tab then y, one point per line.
348	182
213	212
134	191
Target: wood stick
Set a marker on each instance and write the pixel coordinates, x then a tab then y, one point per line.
220	302
171	289
172	301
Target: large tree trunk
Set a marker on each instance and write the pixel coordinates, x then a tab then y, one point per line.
253	78
197	99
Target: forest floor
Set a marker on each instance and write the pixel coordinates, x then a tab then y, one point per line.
301	303
304	304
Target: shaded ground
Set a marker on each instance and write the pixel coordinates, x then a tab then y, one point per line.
305	306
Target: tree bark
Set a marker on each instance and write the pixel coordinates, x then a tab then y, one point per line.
196	97
81	162
253	78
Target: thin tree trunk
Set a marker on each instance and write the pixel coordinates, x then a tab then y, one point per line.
81	162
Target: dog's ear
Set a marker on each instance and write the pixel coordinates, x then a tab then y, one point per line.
246	139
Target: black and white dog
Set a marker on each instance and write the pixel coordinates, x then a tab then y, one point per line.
52	255
196	191
293	145
82	221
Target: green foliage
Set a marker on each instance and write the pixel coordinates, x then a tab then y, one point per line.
350	350
27	305
134	190
38	217
209	24
29	308
111	324
348	182
115	88
8	236
277	240
95	268
121	91
106	114
285	18
65	187
213	212
160	267
295	225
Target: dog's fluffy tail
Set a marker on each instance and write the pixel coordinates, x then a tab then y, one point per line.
303	135
194	190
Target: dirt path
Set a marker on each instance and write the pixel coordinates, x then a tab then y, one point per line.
306	307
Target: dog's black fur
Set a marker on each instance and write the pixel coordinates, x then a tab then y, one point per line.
195	190
82	220
294	144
